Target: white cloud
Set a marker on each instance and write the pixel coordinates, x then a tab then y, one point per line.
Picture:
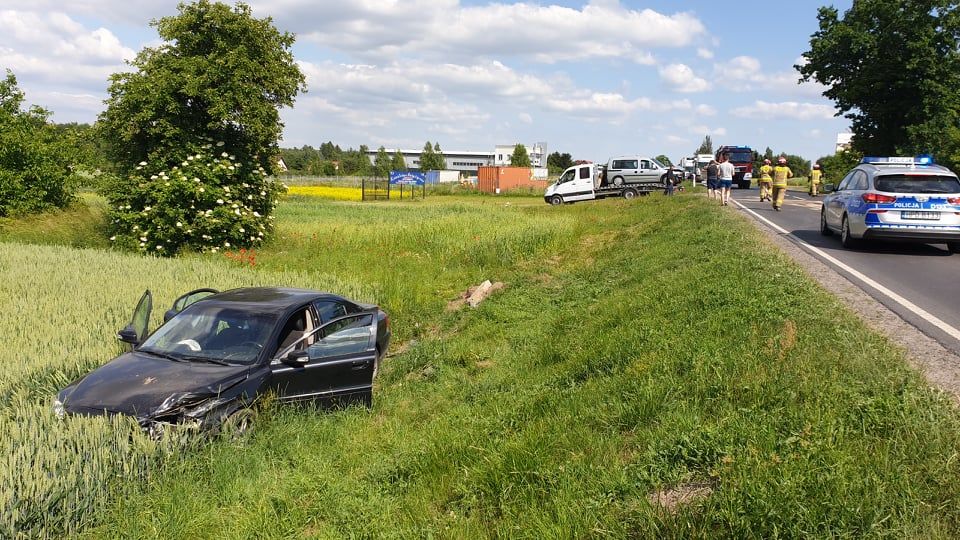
705	130
525	118
705	110
785	109
446	29
682	79
745	73
704	53
673	139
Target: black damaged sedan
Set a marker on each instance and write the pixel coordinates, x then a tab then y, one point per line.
218	352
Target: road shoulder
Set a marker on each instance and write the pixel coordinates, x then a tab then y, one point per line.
938	365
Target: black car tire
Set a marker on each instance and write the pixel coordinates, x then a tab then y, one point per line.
239	424
954	247
824	229
629	194
846	239
556	200
618	180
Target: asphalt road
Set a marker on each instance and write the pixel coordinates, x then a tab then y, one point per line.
919	282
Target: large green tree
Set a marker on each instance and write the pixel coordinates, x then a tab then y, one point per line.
431	159
194	130
520	157
397	163
893	68
36	161
381	163
706	147
558	162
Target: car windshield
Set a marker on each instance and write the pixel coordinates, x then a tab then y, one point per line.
212	333
918	183
741	157
659	163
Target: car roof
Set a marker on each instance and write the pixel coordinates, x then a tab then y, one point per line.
275	300
885	169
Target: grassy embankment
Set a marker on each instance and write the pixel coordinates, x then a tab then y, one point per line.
653	345
638	346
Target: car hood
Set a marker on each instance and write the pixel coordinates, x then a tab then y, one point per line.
147	386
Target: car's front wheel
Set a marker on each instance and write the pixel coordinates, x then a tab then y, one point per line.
847	239
238	424
556	200
824	228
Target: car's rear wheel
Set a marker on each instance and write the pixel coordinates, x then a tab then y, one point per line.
824	228
556	200
618	181
629	194
954	247
847	239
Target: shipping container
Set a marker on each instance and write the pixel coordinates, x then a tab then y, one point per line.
499	179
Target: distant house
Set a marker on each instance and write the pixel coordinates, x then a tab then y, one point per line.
281	166
843	141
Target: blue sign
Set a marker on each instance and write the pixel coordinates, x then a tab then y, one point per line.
408	178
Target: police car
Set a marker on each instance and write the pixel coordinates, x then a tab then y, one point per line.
895	198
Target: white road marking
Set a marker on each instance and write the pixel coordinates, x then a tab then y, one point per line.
906	304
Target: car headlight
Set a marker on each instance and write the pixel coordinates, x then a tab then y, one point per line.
58	408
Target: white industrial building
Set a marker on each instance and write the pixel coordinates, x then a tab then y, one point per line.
468	162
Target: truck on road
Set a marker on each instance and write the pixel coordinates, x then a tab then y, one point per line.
591	181
742	159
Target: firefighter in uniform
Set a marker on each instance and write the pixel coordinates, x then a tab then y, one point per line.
816	176
780	175
765	179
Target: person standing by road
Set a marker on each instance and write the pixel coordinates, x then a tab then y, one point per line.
713	179
766	170
727	170
816	176
780	175
668	182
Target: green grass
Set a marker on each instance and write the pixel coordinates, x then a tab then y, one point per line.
638	345
80	225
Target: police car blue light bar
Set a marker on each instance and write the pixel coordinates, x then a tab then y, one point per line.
898	160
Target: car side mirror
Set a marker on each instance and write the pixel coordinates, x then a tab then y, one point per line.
829	188
297	358
128	335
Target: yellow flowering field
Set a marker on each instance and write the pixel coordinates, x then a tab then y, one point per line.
337	193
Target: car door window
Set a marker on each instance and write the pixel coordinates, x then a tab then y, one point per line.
330	310
348	335
860	181
584	172
845	183
646	164
567	176
297	333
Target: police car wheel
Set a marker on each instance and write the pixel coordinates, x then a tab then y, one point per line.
954	247
824	229
847	239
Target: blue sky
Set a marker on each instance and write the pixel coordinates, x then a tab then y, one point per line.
594	79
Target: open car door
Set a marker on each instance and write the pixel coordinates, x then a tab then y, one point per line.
191	297
134	333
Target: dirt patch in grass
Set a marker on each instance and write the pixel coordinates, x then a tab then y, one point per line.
671	499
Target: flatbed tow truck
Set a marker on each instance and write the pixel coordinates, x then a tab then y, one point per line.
589	182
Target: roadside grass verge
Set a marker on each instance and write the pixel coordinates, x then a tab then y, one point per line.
62	307
661	343
80	225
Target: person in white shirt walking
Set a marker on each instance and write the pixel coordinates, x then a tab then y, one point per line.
727	171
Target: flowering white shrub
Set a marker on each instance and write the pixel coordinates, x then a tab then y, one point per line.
209	202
